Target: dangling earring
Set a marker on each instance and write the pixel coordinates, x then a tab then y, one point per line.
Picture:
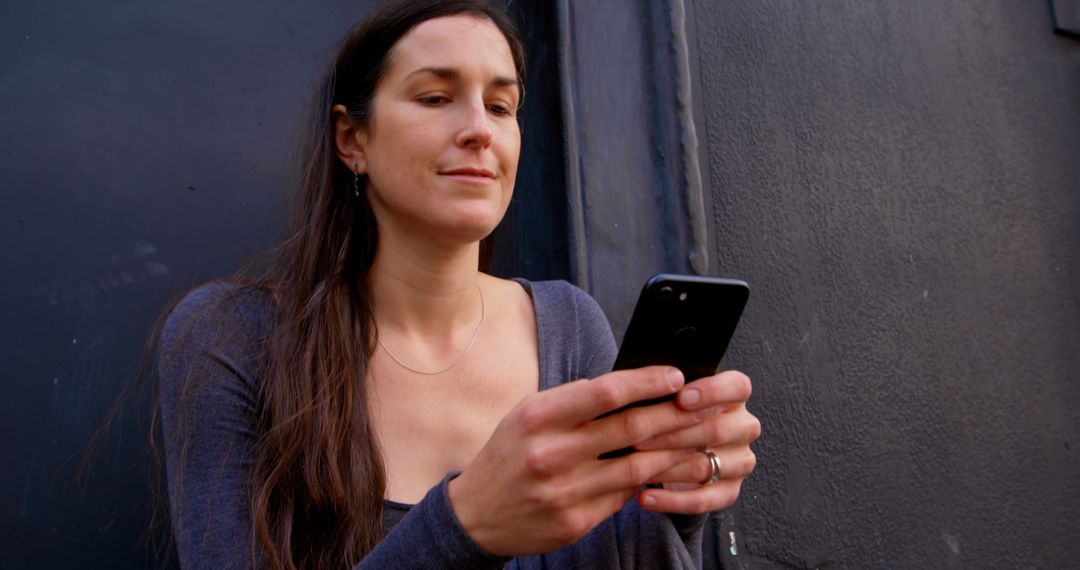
356	180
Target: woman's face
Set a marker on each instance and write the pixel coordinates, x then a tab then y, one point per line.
441	147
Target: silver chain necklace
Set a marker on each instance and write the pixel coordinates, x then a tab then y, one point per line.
475	333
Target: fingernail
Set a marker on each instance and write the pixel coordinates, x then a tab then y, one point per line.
648	501
675	379
690	397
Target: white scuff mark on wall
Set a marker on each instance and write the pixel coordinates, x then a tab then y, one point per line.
156	269
128	270
68	290
144	249
952	543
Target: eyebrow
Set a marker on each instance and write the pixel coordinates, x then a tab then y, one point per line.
451	74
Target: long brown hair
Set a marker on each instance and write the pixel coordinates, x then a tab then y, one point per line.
319	480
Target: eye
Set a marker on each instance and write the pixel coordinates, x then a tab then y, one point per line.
433	100
501	109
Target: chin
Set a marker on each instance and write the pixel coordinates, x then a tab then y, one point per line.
474	225
475	220
470	233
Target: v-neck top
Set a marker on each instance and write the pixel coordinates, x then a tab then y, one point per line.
220	331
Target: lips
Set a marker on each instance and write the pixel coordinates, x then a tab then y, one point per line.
469	171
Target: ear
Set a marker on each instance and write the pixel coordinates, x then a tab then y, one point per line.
350	139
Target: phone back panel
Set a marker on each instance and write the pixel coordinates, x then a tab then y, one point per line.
684	321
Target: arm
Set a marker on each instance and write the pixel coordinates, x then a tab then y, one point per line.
208	403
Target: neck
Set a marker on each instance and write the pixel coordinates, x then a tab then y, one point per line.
424	293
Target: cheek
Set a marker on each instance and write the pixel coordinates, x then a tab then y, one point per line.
402	160
401	135
511	152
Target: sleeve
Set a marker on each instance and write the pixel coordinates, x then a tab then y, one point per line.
430	536
208	367
208	410
598	352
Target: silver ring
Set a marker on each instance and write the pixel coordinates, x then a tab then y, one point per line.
714	462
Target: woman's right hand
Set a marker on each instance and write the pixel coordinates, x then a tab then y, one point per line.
537	484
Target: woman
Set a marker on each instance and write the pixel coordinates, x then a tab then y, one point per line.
377	400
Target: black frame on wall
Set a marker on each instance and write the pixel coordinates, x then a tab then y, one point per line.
1066	17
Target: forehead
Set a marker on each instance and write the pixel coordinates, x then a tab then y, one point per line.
463	42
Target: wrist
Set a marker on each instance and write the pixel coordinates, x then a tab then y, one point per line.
458	495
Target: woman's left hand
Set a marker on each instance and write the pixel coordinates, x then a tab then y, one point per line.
728	430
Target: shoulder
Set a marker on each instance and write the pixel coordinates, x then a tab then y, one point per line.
219	316
218	305
210	355
572	327
564	300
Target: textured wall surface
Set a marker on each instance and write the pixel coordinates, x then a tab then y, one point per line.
899	182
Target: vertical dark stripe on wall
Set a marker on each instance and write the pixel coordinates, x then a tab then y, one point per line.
691	167
575	199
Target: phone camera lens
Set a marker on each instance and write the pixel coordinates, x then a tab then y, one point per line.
666	294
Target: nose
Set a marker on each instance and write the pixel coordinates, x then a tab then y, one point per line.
475	130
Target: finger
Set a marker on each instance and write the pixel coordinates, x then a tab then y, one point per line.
731	387
734	464
583	400
635	425
628	472
705	499
549	455
718	431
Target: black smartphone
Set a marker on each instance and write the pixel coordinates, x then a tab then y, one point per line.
686	321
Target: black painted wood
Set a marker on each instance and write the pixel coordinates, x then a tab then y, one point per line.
144	148
633	218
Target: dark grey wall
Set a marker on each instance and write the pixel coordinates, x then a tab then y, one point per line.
142	151
899	182
144	148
